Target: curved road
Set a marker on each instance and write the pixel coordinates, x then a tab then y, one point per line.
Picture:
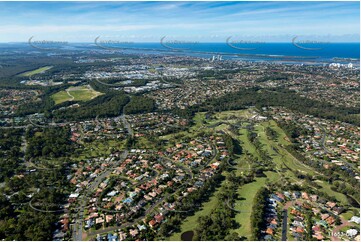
78	225
149	210
78	228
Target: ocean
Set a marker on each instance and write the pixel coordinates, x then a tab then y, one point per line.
323	52
292	52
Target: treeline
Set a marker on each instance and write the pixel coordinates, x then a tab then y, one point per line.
139	104
10	153
266	160
45	104
116	82
230	143
214	74
28	225
276	97
273	77
48	188
189	206
98	86
342	180
258	212
271	133
187	113
109	105
292	130
219	223
12	66
18	220
53	142
333	175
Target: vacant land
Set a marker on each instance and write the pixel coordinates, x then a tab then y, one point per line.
81	93
36	71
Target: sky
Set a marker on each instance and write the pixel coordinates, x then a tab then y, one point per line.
179	21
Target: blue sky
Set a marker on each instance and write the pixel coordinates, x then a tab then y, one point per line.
187	21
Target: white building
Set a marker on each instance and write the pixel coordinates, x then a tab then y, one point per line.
335	65
351	233
355	219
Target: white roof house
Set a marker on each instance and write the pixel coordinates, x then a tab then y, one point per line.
355	219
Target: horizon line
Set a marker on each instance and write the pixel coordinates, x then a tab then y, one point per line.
146	42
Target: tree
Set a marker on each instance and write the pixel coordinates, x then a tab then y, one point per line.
232	237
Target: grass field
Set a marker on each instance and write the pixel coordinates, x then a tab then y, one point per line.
143	143
280	156
283	156
245	202
98	148
248	191
246	144
234	113
326	188
191	222
284	169
36	71
244	206
61	97
199	124
81	93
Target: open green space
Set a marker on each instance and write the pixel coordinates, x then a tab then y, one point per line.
81	93
280	156
61	97
98	148
283	158
244	206
348	215
144	143
285	164
191	222
36	71
326	188
231	115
